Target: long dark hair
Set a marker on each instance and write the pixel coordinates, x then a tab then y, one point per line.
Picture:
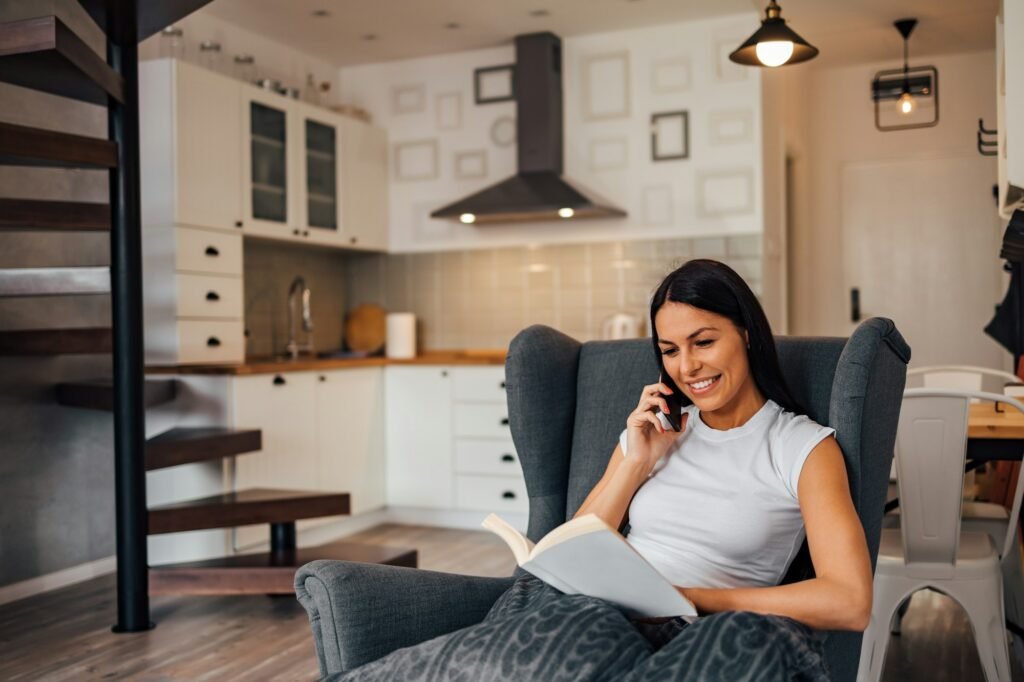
716	288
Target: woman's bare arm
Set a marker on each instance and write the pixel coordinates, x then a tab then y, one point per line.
611	496
839	597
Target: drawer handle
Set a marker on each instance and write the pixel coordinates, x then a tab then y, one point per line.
508	495
238	223
503	385
508	458
213	342
212	296
279	380
322	378
212	251
504	422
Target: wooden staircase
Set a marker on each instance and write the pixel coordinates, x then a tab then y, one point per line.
44	53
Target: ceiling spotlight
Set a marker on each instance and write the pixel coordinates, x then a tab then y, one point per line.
321	13
540	13
774	44
369	37
467	218
453	25
566	213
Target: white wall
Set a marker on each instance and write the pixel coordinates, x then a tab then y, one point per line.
703	195
829	128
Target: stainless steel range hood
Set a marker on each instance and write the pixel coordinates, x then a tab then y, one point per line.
537	191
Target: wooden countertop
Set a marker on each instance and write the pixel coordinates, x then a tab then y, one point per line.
309	364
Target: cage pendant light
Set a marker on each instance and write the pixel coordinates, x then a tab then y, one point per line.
774	44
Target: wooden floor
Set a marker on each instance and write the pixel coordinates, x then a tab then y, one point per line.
65	634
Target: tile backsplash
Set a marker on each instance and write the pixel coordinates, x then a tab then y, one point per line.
482	298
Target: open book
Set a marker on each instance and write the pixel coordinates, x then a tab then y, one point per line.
587	556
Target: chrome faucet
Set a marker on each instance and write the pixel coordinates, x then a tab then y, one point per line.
293	348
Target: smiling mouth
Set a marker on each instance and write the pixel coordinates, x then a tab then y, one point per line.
704	386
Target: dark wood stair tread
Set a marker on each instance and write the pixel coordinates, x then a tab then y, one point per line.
246	507
152	15
42	53
25	146
268	572
184	445
56	341
71	216
73	281
98	394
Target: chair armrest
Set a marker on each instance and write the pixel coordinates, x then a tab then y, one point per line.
361	612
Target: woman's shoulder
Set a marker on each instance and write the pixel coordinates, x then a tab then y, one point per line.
791	424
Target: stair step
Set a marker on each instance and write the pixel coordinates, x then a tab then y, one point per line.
244	508
24	146
44	54
184	445
56	341
152	16
70	216
98	394
54	281
266	573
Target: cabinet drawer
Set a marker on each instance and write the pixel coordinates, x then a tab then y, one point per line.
211	341
206	251
483	420
494	457
491	493
484	384
206	296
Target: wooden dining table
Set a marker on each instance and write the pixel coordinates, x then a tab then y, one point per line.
994	435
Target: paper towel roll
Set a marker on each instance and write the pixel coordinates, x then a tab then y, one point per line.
401	336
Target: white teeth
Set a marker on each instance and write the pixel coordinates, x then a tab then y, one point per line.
704	384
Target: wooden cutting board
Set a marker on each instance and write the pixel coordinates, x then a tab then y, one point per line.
366	328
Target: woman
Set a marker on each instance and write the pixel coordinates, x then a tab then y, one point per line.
720	508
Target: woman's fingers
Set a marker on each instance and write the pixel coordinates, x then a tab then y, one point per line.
654	389
654	420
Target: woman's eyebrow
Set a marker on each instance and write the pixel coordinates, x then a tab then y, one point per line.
702	329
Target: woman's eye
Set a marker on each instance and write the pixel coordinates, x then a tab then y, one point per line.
668	351
705	343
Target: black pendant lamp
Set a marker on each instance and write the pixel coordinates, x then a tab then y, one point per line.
774	44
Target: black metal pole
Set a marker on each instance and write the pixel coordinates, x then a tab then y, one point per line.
126	290
282	536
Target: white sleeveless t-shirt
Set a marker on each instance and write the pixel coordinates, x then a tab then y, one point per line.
721	508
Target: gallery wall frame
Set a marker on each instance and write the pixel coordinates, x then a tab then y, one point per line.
416	160
608	153
409	99
471	164
448	110
658	205
725	192
606	86
493	84
671	75
503	131
670	136
734	126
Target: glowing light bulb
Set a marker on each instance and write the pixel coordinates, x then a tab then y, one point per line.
467	218
566	213
774	52
905	104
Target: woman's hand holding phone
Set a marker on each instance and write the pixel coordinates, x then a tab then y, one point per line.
647	440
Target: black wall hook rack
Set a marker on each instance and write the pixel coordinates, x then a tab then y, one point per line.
987	147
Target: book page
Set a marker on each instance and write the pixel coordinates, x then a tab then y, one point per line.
588	523
520	545
602	564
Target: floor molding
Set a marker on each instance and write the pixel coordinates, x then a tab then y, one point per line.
57	579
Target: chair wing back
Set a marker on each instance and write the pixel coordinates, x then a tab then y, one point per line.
930	447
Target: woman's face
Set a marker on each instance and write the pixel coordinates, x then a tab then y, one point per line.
704	353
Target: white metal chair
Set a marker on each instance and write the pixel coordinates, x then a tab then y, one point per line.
931	550
959	377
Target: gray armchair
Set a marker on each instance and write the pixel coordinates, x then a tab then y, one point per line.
567	404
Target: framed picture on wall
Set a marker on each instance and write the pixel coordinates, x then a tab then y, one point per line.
670	136
494	84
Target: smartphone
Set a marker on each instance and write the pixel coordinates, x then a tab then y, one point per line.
675	403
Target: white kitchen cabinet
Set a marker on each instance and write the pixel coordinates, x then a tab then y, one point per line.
419	437
270	160
1010	106
320	172
282	406
350	412
365	185
190	146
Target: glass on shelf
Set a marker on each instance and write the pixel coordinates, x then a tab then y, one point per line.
210	55
321	180
245	68
172	43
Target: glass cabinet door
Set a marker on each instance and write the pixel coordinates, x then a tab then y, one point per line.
269	170
321	175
